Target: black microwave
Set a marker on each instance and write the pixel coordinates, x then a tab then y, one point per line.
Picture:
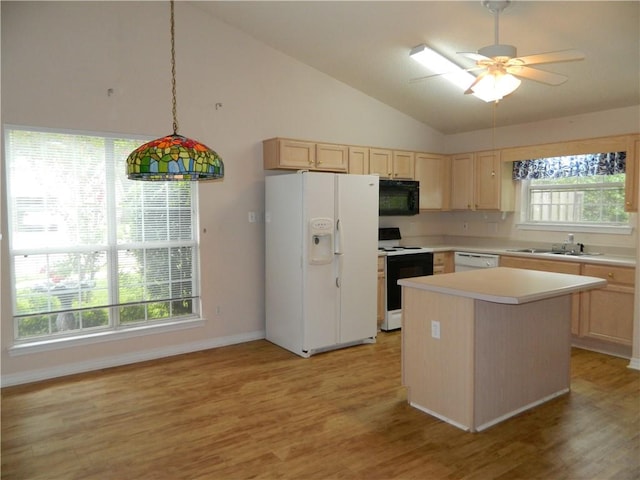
399	197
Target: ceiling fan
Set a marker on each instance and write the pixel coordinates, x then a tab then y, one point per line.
499	63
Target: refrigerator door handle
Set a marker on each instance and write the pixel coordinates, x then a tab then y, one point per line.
339	276
338	239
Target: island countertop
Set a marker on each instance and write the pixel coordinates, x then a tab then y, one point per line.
504	285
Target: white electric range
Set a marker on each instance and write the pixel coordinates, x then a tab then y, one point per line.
400	262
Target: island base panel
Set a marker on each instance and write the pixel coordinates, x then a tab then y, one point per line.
492	361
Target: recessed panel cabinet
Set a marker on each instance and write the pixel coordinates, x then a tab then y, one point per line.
480	181
381	291
434	174
607	313
603	314
631	178
283	153
550	266
359	160
391	164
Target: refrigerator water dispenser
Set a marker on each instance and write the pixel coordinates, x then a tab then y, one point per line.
321	241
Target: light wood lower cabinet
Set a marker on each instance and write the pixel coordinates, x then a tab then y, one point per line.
381	290
607	313
442	262
603	314
550	266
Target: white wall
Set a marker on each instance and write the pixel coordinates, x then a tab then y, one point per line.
60	58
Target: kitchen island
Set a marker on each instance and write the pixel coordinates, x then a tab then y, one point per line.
483	345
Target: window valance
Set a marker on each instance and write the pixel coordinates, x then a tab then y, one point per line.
585	165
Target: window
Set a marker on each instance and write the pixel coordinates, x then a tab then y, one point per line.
92	251
574	191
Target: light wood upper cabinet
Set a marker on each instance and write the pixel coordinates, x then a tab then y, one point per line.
434	174
380	162
283	153
403	165
462	178
331	157
392	164
359	160
481	181
631	177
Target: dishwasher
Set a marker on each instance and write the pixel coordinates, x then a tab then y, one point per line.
464	261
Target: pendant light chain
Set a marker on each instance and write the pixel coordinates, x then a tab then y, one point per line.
174	104
174	157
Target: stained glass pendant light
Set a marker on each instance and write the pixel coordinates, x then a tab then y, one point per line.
174	157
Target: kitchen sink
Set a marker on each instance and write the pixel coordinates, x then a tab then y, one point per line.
576	254
530	250
553	252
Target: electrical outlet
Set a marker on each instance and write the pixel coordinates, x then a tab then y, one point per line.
435	329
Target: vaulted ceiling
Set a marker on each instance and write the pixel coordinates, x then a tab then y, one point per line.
366	45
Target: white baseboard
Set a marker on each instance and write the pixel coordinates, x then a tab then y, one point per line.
134	357
634	363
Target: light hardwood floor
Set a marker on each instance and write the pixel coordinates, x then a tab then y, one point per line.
257	411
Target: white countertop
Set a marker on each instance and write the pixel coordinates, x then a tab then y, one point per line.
504	285
604	259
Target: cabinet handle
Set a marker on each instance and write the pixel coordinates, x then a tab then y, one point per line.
610	274
493	174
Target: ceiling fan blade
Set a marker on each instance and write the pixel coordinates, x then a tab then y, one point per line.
550	57
475	82
420	79
476	57
537	75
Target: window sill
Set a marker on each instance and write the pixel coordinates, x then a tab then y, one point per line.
576	228
28	348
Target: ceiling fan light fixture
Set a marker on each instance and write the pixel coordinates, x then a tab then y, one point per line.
495	86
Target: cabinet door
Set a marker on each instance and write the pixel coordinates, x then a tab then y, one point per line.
296	154
381	291
332	158
462	182
359	160
403	165
607	313
433	173
487	181
380	162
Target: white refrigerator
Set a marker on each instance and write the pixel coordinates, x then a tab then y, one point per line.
321	233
